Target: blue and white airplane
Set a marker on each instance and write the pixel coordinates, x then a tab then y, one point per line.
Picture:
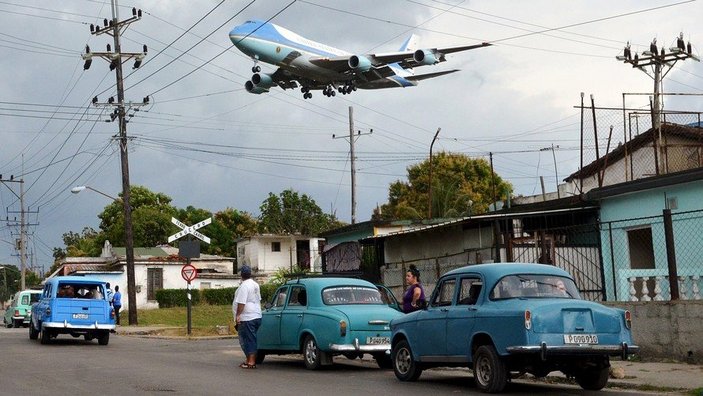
311	65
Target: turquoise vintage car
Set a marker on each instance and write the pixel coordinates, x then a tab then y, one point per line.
511	317
20	309
323	316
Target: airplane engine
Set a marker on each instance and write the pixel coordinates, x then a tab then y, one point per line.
251	88
359	63
425	57
262	80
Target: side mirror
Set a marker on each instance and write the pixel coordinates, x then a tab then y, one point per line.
267	305
422	304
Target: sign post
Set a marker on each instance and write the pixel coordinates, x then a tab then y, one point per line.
189	249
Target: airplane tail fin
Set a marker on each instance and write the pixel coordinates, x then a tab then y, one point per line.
410	43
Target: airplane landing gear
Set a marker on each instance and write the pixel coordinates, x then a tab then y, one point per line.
347	88
306	92
256	69
329	91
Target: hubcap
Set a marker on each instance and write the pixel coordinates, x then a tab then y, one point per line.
310	352
402	360
483	371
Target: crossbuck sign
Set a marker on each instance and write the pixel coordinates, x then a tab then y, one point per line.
185	230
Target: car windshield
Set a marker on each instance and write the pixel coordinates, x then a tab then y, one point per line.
534	286
80	290
342	295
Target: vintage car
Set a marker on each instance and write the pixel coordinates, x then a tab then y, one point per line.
20	309
511	317
74	305
321	317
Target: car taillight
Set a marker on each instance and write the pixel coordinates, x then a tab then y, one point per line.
17	312
528	319
112	313
342	328
628	319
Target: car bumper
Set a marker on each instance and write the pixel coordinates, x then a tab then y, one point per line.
67	325
551	350
356	347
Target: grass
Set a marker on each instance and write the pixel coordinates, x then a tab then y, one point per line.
204	318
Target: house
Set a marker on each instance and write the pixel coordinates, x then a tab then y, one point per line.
640	258
267	253
154	269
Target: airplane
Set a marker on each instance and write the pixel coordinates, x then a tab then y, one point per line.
315	66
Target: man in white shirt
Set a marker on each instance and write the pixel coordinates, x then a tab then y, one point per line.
246	308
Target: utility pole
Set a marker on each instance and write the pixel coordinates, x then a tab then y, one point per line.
658	60
21	243
115	28
429	191
352	138
556	174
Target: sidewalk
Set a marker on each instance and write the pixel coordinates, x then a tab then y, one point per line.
646	376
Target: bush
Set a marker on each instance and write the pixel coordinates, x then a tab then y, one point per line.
219	296
168	298
267	290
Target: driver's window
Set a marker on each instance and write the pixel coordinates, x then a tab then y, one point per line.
470	289
445	294
298	296
279	299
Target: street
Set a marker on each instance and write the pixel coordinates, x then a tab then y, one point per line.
134	365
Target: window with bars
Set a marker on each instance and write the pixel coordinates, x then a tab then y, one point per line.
155	281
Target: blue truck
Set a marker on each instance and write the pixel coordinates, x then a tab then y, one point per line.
73	305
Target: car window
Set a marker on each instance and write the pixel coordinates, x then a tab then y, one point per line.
25	300
445	293
469	291
534	286
298	296
339	295
34	297
279	299
80	290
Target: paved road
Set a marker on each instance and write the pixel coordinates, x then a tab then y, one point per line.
147	366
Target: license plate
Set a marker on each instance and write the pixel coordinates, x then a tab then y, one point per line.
80	316
580	339
378	340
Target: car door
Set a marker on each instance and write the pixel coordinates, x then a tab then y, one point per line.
461	318
269	334
292	317
432	322
388	297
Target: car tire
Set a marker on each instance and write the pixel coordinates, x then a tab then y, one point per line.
88	337
7	324
104	338
593	378
383	361
404	365
490	373
312	356
33	333
260	356
44	336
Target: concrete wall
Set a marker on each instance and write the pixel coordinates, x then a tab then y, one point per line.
667	329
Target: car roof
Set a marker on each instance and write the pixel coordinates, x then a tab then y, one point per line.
322	282
77	279
498	270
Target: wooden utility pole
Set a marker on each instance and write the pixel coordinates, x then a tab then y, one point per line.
429	193
352	155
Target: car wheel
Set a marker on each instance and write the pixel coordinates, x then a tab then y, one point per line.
260	356
45	336
593	378
33	333
489	370
104	338
404	365
383	361
311	353
8	324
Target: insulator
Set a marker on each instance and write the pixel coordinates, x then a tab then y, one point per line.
111	23
95	100
134	11
111	100
92	28
113	65
109	48
139	13
105	22
653	48
144	48
627	53
637	58
87	49
663	52
146	99
688	48
87	64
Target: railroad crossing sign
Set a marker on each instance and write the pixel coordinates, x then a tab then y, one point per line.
189	273
185	230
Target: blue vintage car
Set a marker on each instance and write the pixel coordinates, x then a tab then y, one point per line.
74	305
322	317
511	317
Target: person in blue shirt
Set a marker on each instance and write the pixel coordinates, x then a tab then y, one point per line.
117	303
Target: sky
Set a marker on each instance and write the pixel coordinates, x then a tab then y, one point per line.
205	142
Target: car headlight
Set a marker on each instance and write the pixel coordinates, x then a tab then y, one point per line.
628	319
528	319
342	328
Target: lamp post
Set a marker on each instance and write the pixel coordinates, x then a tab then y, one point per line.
129	256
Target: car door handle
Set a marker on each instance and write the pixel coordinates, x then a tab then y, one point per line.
300	316
278	316
444	309
472	308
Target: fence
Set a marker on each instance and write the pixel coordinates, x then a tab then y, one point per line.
654	258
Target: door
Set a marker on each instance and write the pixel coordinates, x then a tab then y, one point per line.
292	317
461	318
432	322
269	334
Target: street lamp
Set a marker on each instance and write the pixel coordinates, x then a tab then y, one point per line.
129	250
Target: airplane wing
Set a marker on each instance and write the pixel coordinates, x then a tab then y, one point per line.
406	59
418	77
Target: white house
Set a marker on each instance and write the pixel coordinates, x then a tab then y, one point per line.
154	269
267	253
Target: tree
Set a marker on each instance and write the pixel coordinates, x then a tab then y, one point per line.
461	186
290	213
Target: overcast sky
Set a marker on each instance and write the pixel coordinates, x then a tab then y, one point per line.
206	142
